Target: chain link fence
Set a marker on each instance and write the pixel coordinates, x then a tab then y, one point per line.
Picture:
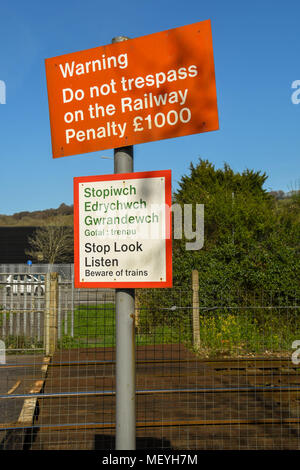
215	371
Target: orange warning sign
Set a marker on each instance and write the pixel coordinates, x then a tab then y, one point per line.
140	90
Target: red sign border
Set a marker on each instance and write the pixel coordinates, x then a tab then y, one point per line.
168	220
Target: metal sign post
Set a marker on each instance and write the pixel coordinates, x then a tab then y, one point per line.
125	335
125	341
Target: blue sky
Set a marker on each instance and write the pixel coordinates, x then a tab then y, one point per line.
257	57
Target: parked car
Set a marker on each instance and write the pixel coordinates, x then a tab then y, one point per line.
25	283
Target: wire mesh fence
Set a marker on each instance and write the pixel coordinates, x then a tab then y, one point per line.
216	371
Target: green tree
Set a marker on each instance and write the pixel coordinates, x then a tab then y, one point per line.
250	257
249	243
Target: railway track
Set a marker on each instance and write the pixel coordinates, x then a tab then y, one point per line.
182	402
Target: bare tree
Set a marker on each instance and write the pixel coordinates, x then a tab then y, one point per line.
52	244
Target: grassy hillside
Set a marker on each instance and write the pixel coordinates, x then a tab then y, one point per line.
63	214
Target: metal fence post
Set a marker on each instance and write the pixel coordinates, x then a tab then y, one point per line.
47	314
196	322
51	294
137	311
53	312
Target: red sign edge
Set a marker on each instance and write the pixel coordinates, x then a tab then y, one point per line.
168	219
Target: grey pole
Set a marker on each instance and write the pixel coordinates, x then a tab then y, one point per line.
125	336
